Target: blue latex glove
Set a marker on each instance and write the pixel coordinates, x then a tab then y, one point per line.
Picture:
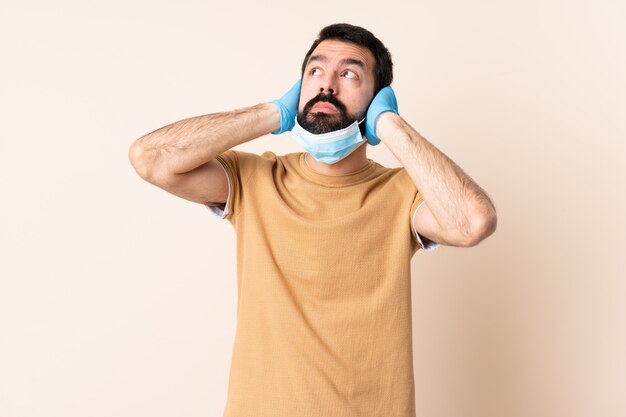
288	106
384	101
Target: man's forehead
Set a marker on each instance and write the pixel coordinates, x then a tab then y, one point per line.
346	52
343	61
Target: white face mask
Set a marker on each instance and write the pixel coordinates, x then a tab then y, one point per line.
332	146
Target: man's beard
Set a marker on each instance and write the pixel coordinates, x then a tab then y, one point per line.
320	122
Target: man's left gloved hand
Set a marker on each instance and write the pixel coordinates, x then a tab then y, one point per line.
384	101
288	107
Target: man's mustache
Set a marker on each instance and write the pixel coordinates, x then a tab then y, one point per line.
326	99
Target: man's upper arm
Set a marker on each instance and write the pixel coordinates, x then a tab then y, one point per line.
207	184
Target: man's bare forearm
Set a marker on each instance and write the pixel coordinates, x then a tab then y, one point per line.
185	145
454	199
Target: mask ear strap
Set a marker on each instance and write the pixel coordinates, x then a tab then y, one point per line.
361	121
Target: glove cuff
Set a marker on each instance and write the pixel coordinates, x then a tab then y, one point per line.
286	120
370	133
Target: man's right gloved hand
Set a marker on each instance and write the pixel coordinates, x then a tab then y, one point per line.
288	107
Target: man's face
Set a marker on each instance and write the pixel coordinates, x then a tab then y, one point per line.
337	86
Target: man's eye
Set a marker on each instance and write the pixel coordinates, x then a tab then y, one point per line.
350	74
313	70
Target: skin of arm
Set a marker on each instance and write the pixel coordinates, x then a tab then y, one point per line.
182	146
456	211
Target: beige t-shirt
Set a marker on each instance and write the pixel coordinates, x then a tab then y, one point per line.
324	288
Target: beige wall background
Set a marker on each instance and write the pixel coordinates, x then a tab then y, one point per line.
119	299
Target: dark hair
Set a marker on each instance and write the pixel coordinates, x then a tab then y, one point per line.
362	37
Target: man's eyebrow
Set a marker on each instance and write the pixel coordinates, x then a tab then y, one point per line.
349	61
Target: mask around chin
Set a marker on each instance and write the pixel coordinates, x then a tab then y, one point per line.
332	146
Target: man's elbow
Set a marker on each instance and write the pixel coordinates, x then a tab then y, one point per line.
483	226
137	158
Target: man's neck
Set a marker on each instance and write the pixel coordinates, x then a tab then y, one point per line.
351	163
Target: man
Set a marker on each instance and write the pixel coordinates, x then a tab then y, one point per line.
324	237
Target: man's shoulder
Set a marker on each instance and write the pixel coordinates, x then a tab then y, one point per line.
267	159
267	155
291	156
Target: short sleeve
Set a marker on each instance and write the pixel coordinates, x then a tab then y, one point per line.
238	166
424	243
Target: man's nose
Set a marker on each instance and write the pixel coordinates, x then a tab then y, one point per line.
328	86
